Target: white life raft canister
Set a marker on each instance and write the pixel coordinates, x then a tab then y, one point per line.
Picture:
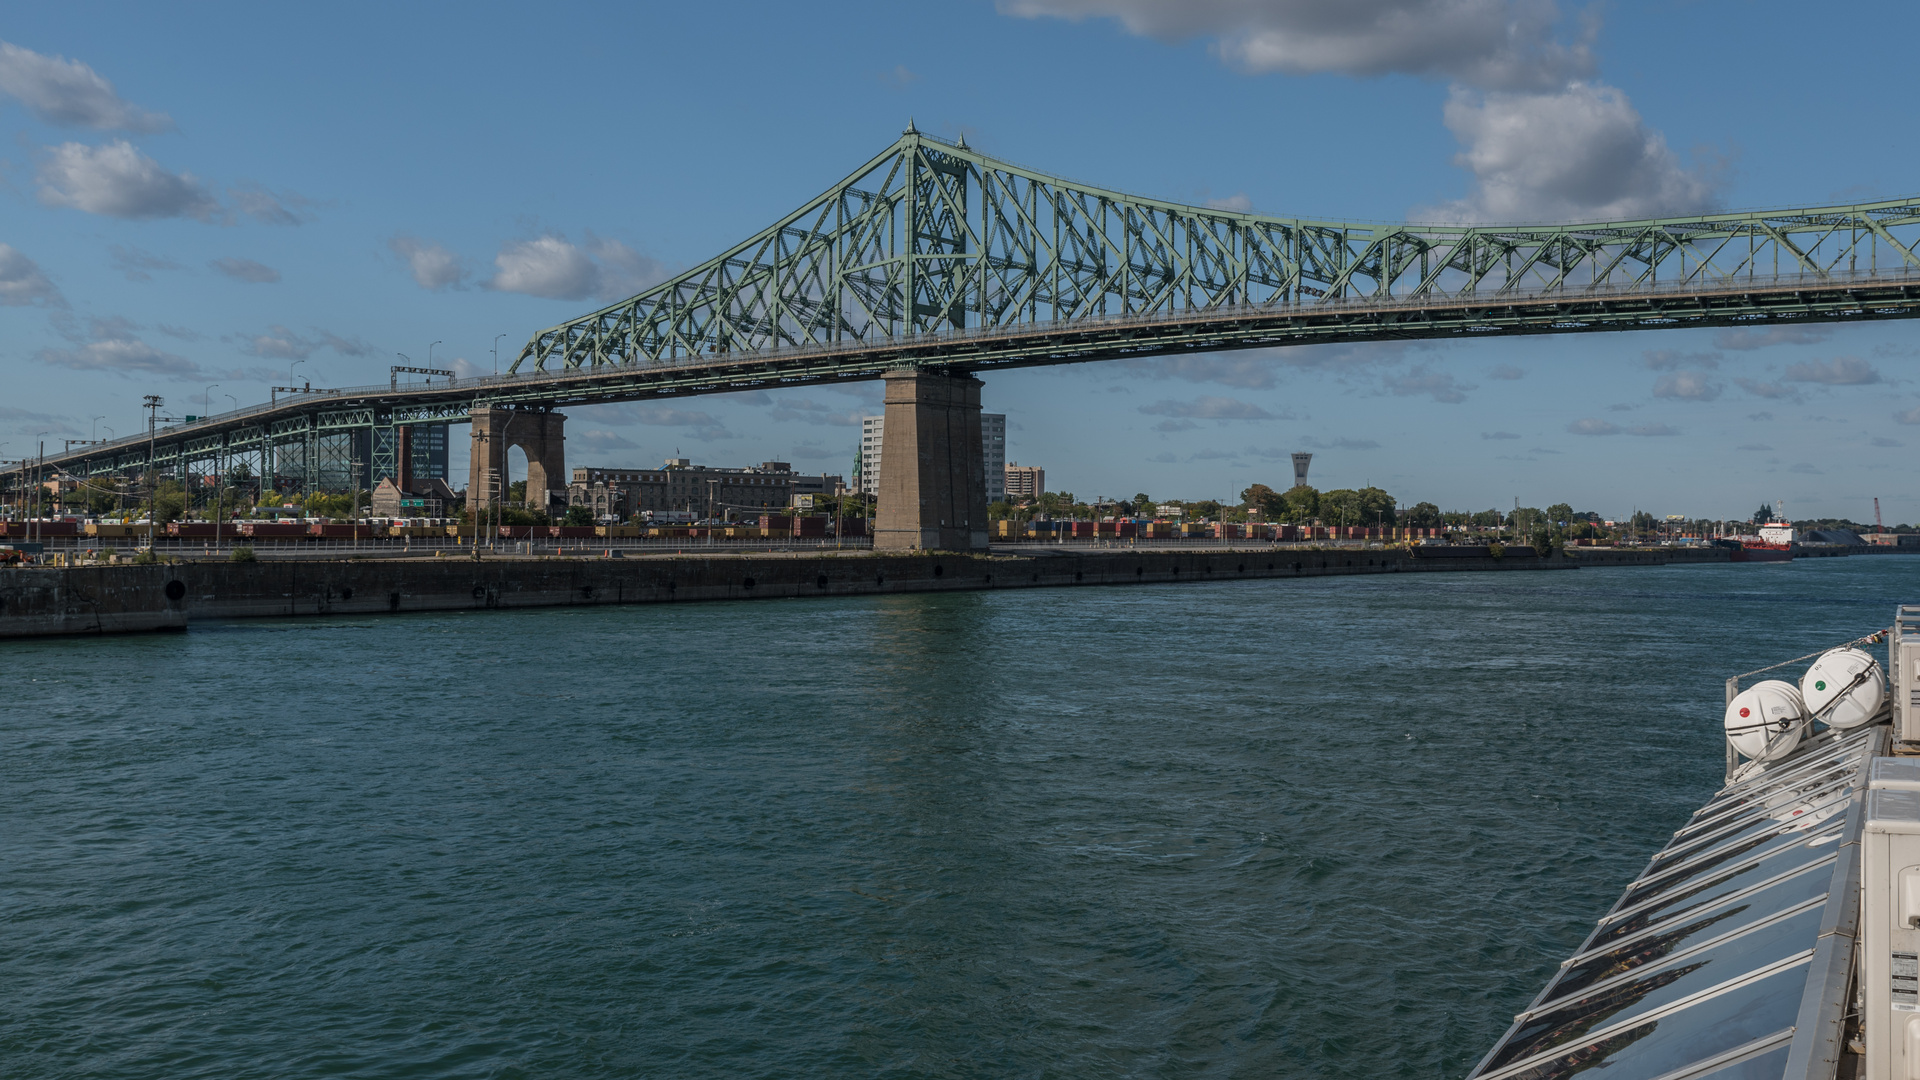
1845	688
1766	712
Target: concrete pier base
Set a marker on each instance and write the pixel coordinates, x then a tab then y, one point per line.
933	478
543	435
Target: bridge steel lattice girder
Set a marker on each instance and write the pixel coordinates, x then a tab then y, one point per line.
934	255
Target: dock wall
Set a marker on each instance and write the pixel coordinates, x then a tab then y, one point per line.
104	599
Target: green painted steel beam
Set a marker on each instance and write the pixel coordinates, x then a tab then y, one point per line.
932	254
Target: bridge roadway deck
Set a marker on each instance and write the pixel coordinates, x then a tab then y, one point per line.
1835	297
49	601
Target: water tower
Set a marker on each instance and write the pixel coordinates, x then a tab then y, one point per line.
1300	462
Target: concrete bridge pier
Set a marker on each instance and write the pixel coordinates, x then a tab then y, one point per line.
541	434
933	477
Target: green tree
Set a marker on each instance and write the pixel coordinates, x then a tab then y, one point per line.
1142	506
1263	500
578	515
1300	505
1205	508
1560	515
1421	515
1760	517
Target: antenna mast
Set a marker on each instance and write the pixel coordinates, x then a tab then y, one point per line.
1877	527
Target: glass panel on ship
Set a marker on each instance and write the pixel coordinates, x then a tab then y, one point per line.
1732	956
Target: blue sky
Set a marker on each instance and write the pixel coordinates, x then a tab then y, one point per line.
210	193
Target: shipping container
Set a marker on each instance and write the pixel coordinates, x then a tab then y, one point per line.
809	527
272	530
776	521
617	531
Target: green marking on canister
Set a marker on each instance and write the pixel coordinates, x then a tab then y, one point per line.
1821	685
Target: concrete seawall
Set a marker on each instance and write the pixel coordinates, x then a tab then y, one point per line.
106	599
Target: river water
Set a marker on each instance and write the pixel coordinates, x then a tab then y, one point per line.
1320	828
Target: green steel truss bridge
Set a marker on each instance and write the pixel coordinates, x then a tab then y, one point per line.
935	256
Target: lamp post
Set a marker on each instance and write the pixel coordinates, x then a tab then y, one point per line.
496	353
206	406
33	528
430	352
290	368
153	402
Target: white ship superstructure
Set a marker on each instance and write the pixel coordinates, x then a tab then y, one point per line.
1778	934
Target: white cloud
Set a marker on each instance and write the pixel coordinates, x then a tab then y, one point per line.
605	440
115	348
1438	385
24	284
1242	371
809	411
1493	43
1840	371
705	426
119	181
1237	203
546	266
1686	386
624	271
433	266
1209	408
554	268
272	207
1772	391
900	77
1672	360
1593	427
136	263
69	93
1747	338
1910	416
280	343
246	270
1581	152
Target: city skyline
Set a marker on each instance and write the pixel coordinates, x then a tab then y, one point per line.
190	208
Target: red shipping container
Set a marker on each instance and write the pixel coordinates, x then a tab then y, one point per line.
517	532
1082	528
273	530
1128	529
